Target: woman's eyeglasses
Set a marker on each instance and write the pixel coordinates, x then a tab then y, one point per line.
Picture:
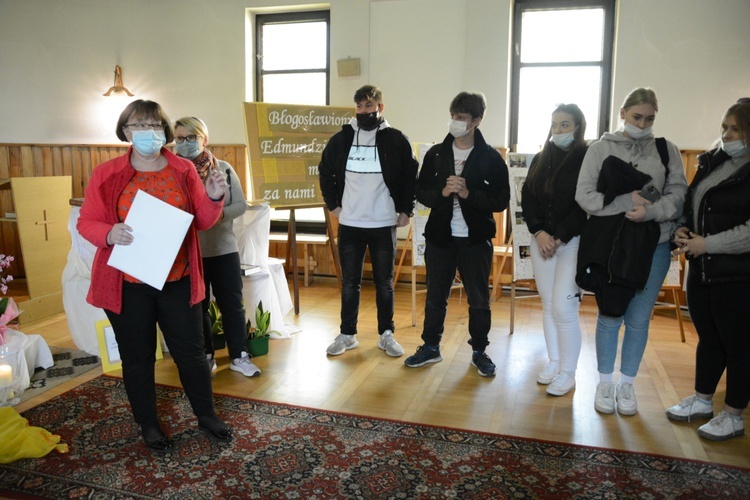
190	138
145	126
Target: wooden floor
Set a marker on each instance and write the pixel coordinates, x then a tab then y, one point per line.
365	381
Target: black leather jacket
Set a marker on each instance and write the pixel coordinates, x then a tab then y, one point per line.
486	179
723	207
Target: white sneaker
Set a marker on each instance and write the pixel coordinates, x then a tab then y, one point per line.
342	343
549	373
561	385
211	364
690	408
389	344
245	366
626	403
722	426
604	401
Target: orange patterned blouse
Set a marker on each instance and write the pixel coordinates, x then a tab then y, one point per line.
164	186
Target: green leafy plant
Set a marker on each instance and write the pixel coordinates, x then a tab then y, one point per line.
262	323
217	323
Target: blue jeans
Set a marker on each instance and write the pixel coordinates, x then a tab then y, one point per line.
473	263
637	318
353	242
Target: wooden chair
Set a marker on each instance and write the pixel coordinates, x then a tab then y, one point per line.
500	256
674	285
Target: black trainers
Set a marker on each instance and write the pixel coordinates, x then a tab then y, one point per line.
485	366
423	356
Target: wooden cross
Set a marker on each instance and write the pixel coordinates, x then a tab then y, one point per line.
45	222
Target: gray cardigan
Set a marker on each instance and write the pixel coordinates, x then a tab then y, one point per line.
220	239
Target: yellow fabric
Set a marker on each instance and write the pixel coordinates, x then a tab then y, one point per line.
19	440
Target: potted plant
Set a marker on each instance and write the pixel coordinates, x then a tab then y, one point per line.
217	326
258	335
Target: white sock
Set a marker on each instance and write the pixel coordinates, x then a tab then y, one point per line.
605	378
706	402
626	379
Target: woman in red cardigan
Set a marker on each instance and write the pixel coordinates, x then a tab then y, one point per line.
133	307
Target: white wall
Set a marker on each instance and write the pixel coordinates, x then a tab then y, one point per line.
694	53
57	58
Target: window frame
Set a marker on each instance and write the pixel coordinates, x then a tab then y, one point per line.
606	63
289	18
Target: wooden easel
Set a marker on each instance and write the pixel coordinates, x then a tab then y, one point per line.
413	269
291	249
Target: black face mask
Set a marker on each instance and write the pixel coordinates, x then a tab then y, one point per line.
368	121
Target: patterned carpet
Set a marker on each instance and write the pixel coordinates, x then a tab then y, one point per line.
283	451
69	363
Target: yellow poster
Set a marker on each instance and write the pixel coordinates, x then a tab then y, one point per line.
284	144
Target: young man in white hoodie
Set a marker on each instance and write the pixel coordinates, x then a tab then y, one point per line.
367	177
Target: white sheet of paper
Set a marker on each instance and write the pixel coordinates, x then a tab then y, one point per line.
158	232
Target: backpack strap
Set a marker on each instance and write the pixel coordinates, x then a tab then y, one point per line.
661	147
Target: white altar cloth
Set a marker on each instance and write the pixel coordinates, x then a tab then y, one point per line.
270	284
36	353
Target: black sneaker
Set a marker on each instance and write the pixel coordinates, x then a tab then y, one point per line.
484	364
423	356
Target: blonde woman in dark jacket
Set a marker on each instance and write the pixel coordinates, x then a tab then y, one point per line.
716	239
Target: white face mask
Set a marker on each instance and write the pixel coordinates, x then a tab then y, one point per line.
637	133
564	140
735	149
458	128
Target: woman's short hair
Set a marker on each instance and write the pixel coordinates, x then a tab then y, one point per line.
368	93
741	113
640	96
473	103
144	109
194	125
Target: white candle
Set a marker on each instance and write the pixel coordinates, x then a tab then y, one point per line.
6	375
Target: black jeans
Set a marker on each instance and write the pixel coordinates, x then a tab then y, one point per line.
473	263
222	277
720	318
353	242
135	330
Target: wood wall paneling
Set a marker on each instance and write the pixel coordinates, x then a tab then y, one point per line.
77	161
21	160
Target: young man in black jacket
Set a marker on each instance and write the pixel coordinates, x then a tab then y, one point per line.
368	176
463	180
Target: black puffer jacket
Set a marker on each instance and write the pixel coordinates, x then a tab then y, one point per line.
486	179
723	207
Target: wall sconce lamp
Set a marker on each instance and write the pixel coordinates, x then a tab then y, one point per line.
118	88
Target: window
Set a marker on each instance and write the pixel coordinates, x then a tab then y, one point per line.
562	53
292	58
292	53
